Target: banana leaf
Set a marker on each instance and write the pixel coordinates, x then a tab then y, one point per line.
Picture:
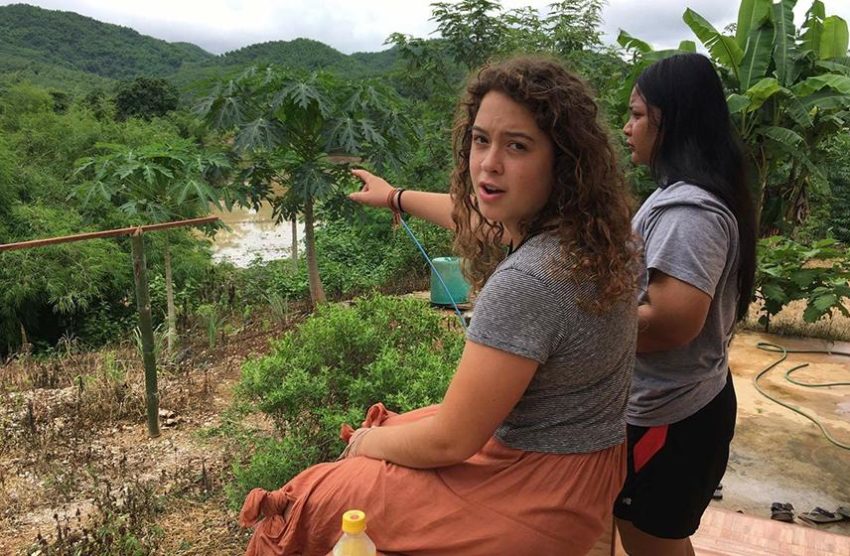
751	15
835	38
813	27
757	57
722	48
784	48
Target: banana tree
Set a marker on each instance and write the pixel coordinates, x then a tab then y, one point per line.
152	184
290	128
787	89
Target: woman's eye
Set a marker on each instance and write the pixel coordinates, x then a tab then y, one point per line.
479	139
517	146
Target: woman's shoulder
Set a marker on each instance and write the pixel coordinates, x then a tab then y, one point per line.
688	196
539	256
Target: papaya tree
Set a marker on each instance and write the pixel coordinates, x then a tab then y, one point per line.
156	183
788	90
292	130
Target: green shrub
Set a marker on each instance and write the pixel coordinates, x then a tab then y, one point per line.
788	271
272	465
336	364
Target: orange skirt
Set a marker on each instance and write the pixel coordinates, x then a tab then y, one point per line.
499	501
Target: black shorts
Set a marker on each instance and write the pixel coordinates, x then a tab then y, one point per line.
674	469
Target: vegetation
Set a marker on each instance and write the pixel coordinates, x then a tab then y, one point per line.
788	271
72	41
332	367
145	98
98	135
289	127
154	184
789	91
73	52
283	131
310	55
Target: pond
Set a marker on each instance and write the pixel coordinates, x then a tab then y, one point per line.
253	234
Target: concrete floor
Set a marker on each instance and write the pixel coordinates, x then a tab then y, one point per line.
777	455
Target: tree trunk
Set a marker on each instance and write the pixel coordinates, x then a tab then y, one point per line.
317	293
760	171
294	252
169	297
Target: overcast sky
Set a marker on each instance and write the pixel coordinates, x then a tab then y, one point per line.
363	25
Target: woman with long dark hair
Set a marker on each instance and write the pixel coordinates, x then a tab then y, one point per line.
699	233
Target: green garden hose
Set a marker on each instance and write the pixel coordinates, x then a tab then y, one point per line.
774	348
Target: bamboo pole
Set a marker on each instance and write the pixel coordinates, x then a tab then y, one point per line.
107	233
146	327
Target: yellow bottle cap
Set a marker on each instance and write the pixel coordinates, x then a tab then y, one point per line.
353	522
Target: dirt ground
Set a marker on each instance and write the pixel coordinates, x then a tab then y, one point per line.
55	470
777	455
64	447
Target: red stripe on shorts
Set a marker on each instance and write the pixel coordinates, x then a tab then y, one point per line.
650	443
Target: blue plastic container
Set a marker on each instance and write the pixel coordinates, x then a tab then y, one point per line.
449	268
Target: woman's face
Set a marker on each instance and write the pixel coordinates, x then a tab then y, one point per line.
511	162
641	130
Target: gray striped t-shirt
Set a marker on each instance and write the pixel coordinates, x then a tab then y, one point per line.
576	401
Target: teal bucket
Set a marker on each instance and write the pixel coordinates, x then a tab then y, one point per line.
449	269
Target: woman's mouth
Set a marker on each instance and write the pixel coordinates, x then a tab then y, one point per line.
488	192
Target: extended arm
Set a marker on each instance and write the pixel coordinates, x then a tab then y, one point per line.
487	385
433	207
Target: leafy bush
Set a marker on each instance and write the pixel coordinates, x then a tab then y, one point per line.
335	365
788	271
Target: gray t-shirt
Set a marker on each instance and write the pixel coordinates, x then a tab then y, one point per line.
691	235
577	399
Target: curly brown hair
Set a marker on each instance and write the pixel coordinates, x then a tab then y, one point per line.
590	205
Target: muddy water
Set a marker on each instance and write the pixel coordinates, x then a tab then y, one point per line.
777	455
254	235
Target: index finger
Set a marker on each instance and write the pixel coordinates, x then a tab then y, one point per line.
361	173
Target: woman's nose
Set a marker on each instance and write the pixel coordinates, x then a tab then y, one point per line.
491	161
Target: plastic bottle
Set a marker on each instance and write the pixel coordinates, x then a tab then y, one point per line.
354	541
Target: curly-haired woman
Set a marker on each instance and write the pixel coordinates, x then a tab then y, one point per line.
526	453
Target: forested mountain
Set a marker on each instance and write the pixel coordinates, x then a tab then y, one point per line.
75	42
299	53
311	55
65	49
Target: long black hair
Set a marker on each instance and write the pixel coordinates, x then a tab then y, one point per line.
697	144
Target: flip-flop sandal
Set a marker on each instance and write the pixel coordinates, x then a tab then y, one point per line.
782	512
819	516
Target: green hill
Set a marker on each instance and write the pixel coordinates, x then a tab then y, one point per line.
65	50
311	55
74	42
302	53
16	68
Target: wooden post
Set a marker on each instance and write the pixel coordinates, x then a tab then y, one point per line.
144	304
